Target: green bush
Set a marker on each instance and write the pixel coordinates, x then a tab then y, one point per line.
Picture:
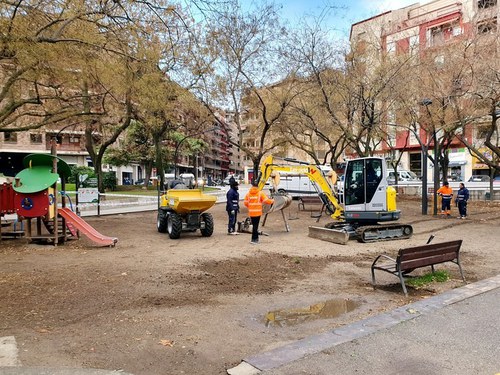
109	180
80	171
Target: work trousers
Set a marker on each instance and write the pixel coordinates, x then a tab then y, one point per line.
231	225
462	208
255	228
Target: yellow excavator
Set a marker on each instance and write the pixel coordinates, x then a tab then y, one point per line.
369	202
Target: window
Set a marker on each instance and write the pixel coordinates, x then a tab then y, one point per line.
35	138
414	41
440	34
74	139
487	26
439	61
361	180
10	137
391	47
482	132
483	4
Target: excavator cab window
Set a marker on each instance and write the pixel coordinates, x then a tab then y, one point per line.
362	178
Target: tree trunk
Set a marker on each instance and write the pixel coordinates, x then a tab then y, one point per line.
159	161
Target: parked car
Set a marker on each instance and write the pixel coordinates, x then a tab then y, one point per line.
140	181
200	182
403	176
496	180
238	179
479	178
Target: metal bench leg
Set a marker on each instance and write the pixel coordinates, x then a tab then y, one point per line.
373	277
461	272
402	280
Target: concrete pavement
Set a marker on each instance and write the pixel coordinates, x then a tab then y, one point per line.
457	332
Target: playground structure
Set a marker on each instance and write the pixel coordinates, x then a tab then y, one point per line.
8	217
34	198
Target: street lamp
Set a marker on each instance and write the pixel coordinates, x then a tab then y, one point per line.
427	103
425	155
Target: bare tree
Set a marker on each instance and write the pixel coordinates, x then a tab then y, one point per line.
241	72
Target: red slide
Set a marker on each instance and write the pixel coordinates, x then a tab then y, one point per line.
86	228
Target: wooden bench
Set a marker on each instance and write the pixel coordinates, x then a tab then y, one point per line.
411	258
312	200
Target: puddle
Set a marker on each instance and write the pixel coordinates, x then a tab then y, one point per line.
323	310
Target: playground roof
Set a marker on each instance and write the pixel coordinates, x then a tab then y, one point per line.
35	179
35	160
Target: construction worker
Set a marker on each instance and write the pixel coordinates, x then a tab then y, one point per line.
253	201
232	207
461	200
446	194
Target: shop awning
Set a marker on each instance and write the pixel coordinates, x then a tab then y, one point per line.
456	163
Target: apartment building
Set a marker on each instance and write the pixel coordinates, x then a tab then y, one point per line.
16	145
422	29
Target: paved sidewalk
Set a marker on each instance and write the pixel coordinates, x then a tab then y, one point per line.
457	332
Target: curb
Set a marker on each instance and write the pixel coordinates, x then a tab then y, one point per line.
314	344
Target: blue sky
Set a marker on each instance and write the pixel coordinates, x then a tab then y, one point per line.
342	13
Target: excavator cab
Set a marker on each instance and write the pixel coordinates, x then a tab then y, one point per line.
368	198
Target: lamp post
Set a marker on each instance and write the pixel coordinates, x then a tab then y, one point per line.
436	173
425	156
427	103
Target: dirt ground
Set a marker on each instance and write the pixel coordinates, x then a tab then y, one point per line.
198	305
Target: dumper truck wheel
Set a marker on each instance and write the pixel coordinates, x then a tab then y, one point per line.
209	224
161	222
174	226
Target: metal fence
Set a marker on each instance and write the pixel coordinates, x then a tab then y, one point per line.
477	190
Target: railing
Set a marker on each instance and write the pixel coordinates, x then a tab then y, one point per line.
123	203
477	190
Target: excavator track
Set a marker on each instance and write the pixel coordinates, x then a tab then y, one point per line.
384	232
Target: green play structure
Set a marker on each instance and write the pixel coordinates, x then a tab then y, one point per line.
36	201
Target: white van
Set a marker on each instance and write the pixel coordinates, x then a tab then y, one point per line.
403	176
297	185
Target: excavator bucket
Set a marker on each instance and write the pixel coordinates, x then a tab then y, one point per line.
338	236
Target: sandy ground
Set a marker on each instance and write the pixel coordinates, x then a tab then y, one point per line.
152	305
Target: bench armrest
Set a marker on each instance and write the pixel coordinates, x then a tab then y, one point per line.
385	256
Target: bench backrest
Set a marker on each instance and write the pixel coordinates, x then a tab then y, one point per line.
310	199
427	255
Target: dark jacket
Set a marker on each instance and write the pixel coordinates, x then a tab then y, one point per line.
232	200
462	195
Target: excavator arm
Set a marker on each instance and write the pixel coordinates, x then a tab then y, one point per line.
270	168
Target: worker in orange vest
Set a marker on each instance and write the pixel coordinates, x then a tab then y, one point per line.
253	201
446	193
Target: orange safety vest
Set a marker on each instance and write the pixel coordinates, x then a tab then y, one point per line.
446	192
254	200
